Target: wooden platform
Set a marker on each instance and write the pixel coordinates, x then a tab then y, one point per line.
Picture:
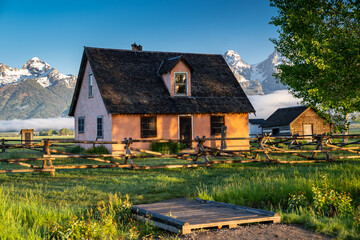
183	215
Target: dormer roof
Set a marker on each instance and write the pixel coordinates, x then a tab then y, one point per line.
129	83
168	64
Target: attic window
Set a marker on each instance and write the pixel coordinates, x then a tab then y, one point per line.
91	82
180	83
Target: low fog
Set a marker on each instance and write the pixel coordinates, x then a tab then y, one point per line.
265	105
37	124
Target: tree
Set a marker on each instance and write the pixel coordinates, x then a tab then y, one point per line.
321	41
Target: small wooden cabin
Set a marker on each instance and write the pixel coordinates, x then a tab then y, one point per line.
157	95
300	120
27	135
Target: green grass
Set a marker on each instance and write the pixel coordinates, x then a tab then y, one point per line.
47	200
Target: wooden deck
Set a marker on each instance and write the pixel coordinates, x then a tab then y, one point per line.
183	215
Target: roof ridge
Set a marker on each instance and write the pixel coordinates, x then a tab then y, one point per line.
128	50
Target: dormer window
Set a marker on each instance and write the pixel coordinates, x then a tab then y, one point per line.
91	83
180	83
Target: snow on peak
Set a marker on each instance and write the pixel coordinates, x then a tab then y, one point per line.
37	70
35	59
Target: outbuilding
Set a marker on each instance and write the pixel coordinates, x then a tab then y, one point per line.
255	127
300	120
157	95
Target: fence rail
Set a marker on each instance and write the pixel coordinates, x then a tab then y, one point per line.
263	148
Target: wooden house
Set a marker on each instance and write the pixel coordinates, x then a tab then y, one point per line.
255	127
157	95
295	120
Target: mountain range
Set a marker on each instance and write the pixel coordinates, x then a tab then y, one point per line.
257	78
37	90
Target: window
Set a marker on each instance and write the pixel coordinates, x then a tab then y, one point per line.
180	85
216	123
148	127
81	124
91	82
100	132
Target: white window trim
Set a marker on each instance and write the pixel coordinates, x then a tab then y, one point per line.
186	87
91	76
192	125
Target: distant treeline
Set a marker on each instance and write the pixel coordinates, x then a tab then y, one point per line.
60	132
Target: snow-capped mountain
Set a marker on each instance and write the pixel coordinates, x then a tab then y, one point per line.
37	70
37	90
257	78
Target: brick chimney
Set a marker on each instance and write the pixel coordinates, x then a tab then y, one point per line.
136	47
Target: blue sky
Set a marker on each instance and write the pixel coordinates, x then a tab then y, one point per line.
56	31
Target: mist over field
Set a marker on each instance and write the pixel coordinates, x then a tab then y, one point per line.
36	124
265	105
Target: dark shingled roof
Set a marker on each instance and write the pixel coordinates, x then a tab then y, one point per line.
129	83
284	116
257	121
168	64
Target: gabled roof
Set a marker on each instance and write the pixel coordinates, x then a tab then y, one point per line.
257	121
168	64
129	83
284	116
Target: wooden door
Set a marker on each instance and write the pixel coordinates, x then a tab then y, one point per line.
186	130
308	130
27	138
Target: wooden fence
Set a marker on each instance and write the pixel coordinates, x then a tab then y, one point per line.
264	148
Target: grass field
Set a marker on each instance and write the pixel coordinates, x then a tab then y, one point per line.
34	203
93	202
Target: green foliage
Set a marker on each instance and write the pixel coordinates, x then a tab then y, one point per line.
321	42
98	150
111	220
325	201
357	218
297	201
167	147
329	202
48	132
65	132
75	149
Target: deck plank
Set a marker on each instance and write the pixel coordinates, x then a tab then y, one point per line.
183	215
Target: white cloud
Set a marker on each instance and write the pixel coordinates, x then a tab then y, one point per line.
265	105
36	123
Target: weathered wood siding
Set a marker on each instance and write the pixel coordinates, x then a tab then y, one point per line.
309	116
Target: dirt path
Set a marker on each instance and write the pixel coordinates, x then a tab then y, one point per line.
258	232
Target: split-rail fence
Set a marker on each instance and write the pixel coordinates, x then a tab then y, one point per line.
263	148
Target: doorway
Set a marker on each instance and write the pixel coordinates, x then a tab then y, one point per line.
185	131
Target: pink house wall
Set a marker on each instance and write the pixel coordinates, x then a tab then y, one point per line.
91	108
169	77
126	126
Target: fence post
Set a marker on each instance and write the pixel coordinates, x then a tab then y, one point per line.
3	148
128	142
47	152
201	149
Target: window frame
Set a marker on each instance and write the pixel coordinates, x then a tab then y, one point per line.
142	129
212	127
91	85
186	84
83	124
102	127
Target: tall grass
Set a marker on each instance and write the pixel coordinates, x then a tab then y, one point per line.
26	218
271	187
